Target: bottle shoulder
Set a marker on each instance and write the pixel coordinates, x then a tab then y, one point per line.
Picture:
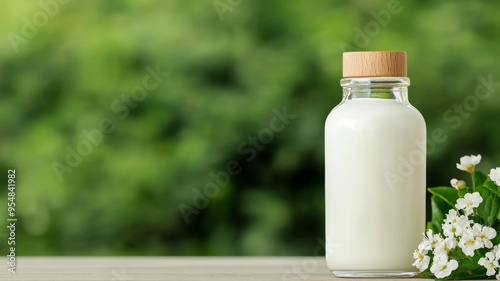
375	110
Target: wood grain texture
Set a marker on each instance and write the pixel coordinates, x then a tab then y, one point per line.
171	268
374	64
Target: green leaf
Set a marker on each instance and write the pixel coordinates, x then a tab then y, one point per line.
439	209
443	199
478	219
490	207
492	186
458	254
464	190
431	226
479	178
496	240
447	194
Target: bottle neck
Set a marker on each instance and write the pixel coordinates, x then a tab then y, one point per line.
388	88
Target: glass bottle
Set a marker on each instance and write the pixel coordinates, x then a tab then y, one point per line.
375	150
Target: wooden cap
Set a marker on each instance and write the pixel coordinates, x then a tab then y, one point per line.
374	64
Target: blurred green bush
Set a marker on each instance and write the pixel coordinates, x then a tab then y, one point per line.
230	65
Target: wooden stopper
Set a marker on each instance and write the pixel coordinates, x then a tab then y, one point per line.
374	64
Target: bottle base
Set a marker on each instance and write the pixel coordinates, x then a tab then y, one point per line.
373	274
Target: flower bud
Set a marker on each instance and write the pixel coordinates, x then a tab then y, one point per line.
457	184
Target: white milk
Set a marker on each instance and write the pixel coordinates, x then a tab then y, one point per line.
375	185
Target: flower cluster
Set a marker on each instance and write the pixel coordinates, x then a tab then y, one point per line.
463	236
441	266
490	261
459	231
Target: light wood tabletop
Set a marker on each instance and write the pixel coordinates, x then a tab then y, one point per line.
170	268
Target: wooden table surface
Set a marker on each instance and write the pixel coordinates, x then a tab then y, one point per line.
171	268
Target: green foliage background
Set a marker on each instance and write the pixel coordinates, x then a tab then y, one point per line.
226	76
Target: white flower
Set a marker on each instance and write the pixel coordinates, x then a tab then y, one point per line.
496	251
450	244
495	175
490	263
498	276
454	225
457	184
431	240
441	267
443	247
469	202
452	229
421	258
468	243
484	234
467	163
451	217
464	221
